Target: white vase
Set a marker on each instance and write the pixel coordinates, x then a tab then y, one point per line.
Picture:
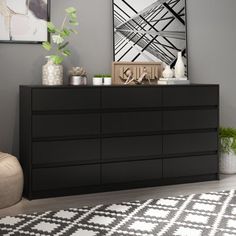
168	72
179	67
52	73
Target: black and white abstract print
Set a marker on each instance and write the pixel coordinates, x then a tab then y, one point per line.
208	214
150	30
24	20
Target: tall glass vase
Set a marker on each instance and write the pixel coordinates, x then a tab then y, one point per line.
52	74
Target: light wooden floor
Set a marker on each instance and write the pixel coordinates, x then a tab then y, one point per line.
25	206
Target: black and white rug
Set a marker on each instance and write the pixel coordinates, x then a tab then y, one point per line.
195	215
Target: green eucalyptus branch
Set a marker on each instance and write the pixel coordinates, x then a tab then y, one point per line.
59	35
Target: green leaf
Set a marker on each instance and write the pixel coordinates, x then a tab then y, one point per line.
73	16
51	27
65	33
73	22
47	46
74	31
56	59
71	10
63	46
66	53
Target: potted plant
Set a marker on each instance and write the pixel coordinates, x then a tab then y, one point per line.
53	70
228	150
98	79
77	76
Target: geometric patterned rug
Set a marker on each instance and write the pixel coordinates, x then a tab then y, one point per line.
209	214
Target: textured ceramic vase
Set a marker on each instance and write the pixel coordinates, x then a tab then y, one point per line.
168	72
179	67
228	162
52	73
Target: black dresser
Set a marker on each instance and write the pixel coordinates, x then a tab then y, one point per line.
88	139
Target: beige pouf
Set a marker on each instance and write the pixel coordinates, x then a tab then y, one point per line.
11	180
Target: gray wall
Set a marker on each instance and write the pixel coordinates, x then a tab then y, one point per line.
211	40
212	50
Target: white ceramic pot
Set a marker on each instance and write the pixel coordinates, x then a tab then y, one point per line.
228	163
97	81
107	81
168	72
52	73
179	67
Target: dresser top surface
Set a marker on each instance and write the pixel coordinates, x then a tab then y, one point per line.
115	86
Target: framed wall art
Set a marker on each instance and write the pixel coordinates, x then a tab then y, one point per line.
24	21
149	31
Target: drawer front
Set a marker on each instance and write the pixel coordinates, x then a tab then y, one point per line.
187	143
66	151
131	171
65	99
131	97
65	177
128	147
131	122
190	166
190	96
190	119
65	125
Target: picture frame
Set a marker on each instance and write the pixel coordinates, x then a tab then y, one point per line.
38	12
172	10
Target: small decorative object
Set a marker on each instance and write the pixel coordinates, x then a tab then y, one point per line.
59	44
98	80
77	76
131	73
168	72
107	80
228	150
173	81
52	73
24	21
179	67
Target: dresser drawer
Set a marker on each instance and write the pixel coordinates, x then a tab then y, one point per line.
190	166
187	143
131	147
127	122
131	97
66	151
190	96
65	125
65	99
131	171
190	119
65	177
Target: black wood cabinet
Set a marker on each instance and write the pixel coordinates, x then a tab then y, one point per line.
88	139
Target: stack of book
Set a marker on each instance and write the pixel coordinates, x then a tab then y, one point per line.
172	81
